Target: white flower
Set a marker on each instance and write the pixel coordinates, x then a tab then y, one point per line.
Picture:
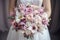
45	15
37	19
31	29
17	20
17	13
28	24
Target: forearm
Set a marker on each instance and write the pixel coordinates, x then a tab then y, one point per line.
48	12
47	6
11	10
11	5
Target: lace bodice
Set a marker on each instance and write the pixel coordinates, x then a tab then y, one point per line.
34	2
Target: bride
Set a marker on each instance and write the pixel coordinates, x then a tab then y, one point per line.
43	34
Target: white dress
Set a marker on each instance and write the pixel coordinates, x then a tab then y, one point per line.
44	35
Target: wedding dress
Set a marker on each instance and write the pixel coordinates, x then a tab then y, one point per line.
43	35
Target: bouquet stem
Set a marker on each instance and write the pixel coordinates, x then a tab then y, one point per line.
29	38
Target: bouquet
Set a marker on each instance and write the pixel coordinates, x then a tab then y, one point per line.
30	19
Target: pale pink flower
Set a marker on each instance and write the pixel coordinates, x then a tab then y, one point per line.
29	17
41	10
35	12
28	10
22	7
44	21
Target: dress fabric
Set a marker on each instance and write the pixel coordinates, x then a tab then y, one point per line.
43	35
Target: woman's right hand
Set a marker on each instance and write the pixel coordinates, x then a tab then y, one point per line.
12	15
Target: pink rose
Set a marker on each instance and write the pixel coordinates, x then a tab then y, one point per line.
44	21
28	10
41	10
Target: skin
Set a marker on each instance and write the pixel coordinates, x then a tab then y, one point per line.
11	5
47	6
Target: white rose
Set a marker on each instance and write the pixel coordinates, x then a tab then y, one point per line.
17	20
37	19
45	15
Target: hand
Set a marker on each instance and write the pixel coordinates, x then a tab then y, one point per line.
12	13
12	16
34	6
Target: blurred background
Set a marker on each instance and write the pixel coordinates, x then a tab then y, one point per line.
7	5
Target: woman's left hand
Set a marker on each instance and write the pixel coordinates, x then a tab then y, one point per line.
35	7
